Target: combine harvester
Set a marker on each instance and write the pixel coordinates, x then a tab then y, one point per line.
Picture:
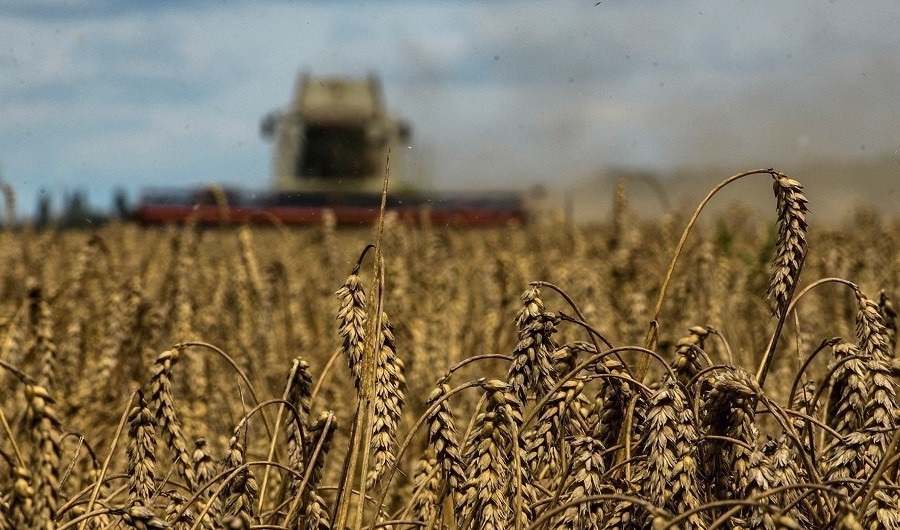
331	151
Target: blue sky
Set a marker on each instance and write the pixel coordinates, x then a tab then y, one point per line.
106	95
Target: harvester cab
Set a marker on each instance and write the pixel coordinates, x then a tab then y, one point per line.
335	137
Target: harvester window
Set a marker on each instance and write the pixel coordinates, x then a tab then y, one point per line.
336	151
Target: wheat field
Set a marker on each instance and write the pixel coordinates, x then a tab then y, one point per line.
546	377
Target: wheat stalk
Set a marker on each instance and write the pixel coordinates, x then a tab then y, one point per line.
786	472
298	393
239	503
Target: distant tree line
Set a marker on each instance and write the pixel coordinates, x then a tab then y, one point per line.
76	212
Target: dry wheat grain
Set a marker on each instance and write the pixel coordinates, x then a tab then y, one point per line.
486	503
163	402
352	324
442	438
388	403
531	370
791	247
141	452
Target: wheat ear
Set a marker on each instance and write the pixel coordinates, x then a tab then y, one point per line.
531	369
791	247
388	400
670	445
141	452
44	427
317	515
790	253
442	438
728	411
588	471
889	316
485	502
163	402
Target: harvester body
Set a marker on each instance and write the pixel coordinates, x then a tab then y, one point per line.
331	155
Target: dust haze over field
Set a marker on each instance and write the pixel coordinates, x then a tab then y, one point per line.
499	94
838	189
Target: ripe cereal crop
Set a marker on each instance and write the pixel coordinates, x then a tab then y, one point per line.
676	373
